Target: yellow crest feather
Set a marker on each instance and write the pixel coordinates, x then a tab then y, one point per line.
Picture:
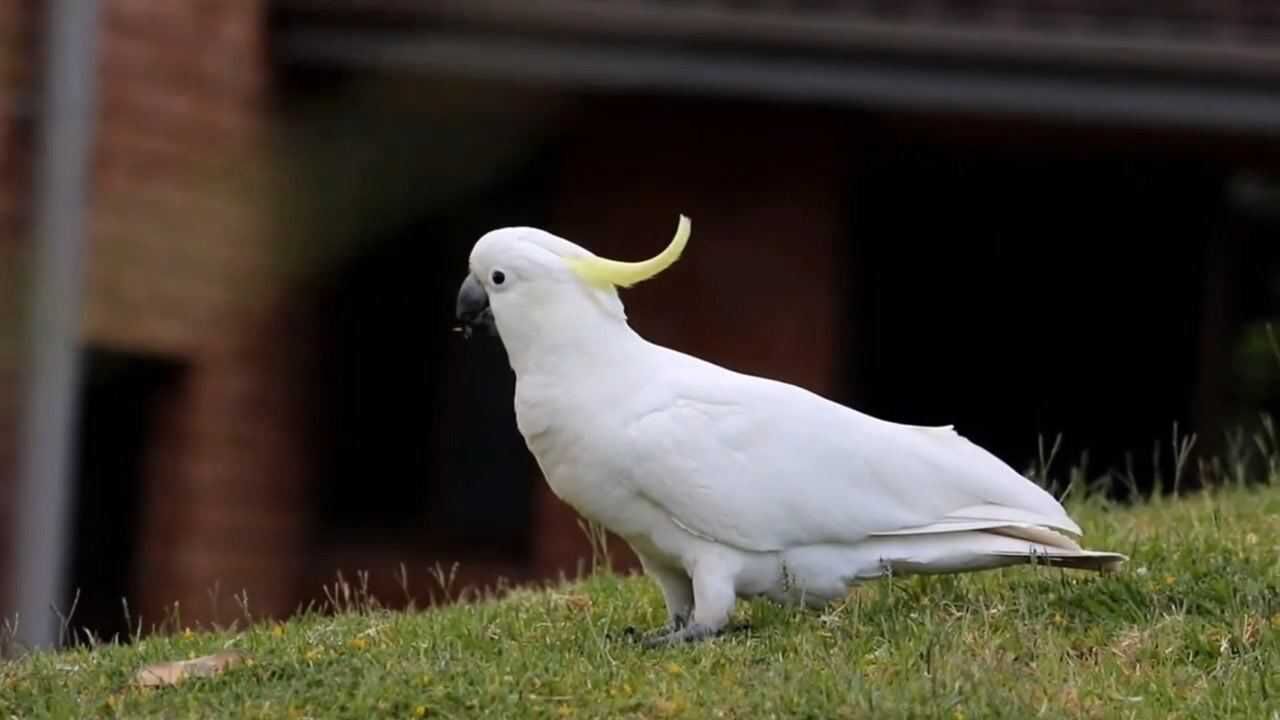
603	272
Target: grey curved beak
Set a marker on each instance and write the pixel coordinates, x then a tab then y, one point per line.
472	309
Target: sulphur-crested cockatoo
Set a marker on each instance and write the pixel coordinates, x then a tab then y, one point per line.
728	485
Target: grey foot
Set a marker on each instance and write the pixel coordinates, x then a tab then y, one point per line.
688	634
631	633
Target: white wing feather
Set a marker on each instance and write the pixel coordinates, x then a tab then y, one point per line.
762	465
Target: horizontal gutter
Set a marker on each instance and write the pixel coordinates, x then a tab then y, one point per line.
1157	39
1137	100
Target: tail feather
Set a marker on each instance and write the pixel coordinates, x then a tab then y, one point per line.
821	573
1039	535
989	548
991	517
1096	560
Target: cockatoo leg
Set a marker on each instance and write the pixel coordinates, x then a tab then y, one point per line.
714	598
677	592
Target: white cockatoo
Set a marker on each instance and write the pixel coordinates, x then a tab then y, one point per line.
728	485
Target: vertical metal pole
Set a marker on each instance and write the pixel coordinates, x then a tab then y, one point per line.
61	186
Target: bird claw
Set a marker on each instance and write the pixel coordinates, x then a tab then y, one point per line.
631	633
694	632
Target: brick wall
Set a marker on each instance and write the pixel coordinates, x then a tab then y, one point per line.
181	265
179	137
18	22
222	497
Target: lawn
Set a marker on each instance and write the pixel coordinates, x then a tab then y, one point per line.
1190	628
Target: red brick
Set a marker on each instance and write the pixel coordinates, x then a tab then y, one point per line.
17	23
177	244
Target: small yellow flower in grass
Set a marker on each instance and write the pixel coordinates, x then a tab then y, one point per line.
187	634
314	653
674	669
1169	579
623	690
359	643
564	711
667	708
277	630
420	711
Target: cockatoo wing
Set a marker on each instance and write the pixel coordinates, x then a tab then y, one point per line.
764	466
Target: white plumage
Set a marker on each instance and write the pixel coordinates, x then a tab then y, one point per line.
729	485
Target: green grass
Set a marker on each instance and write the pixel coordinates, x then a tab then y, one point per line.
1190	629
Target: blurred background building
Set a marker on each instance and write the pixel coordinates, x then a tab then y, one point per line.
1026	218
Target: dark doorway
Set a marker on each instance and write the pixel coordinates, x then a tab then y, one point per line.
1024	293
118	400
414	428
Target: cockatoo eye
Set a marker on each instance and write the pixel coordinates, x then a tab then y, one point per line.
498	277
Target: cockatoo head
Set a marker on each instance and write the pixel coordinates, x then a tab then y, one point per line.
534	287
